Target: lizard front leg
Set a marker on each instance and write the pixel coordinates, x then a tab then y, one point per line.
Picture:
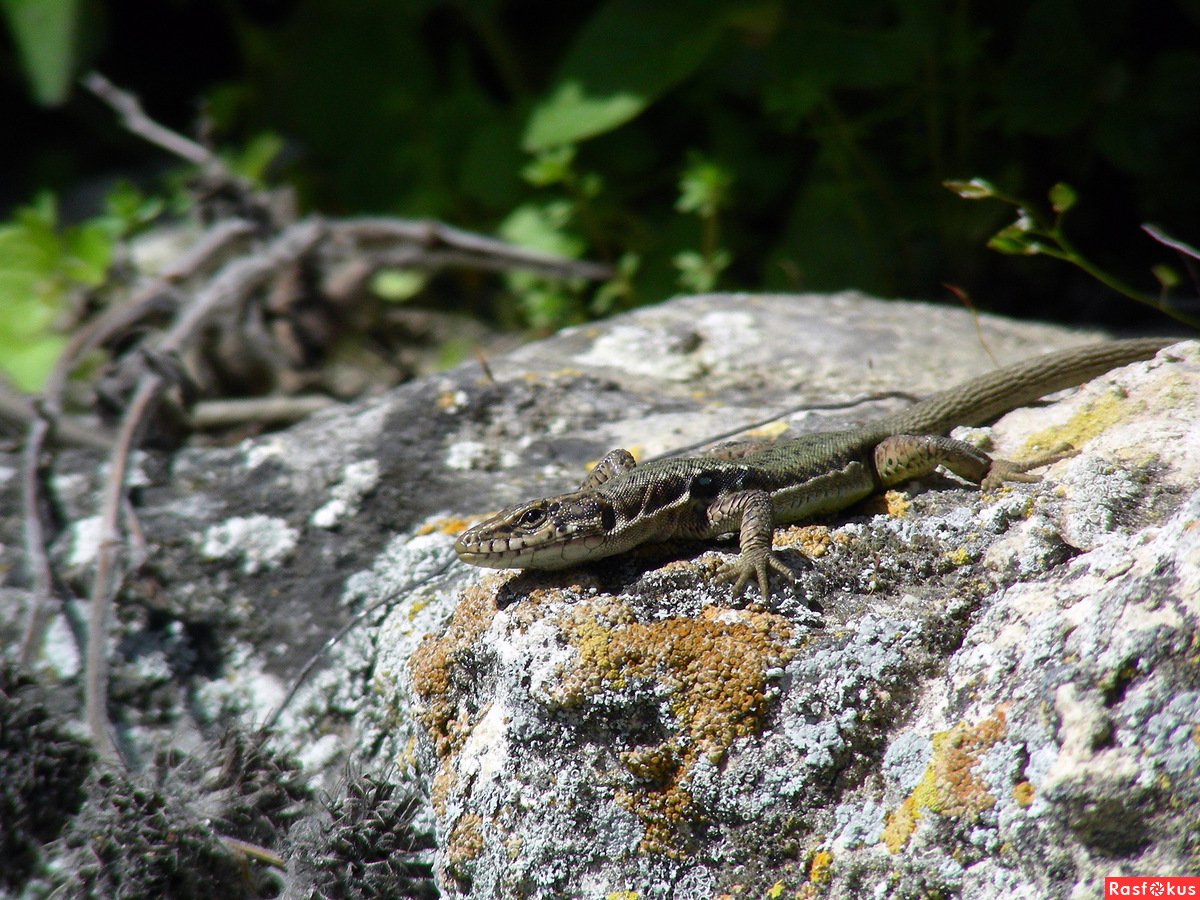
750	512
905	456
612	464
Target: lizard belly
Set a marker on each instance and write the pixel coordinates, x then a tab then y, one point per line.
822	494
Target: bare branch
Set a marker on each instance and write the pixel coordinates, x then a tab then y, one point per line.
146	301
1167	241
47	419
35	540
472	249
16	407
235	282
134	118
276	409
96	675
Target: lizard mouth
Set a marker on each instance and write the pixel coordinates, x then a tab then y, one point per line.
516	552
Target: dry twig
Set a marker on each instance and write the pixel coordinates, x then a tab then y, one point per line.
47	417
134	118
235	282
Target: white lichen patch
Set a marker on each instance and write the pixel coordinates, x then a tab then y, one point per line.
358	480
485	753
468	455
654	352
85	537
261	450
730	337
262	542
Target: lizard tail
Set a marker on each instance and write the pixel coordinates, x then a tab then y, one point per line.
984	398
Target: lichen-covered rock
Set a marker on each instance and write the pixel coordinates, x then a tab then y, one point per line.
965	695
626	727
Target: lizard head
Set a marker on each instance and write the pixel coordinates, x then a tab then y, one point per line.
543	534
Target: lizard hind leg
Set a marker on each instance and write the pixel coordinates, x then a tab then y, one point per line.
901	457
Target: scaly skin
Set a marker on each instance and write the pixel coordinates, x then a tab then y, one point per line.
621	505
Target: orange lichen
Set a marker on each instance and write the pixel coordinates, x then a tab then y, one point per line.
712	674
466	840
814	541
451	525
434	669
949	786
709	673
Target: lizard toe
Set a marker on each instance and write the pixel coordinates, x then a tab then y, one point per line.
1005	470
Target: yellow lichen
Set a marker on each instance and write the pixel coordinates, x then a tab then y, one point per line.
959	556
434	669
949	786
1023	793
712	673
1084	425
818	869
466	840
897	504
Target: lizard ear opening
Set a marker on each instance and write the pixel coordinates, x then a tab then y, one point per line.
608	519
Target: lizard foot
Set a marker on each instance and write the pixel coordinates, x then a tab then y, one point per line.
758	566
1004	470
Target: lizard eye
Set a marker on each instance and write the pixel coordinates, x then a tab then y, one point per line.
531	518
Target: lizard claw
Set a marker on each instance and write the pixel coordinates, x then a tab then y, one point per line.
741	570
1003	470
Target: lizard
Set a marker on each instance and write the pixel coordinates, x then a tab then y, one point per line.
621	505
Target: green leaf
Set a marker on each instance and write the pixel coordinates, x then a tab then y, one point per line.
44	32
128	209
698	273
1015	240
975	189
28	251
550	166
24	315
398	285
1166	276
570	115
619	290
1062	197
90	251
543	227
253	160
627	56
703	187
28	363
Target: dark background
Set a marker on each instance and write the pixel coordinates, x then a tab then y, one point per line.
836	124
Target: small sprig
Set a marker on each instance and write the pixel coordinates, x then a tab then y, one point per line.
1037	233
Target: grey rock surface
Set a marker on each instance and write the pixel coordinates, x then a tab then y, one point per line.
976	696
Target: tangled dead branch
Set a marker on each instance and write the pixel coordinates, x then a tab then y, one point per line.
255	299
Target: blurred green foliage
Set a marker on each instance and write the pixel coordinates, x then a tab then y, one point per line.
704	143
46	267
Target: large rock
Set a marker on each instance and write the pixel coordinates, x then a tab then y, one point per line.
973	695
